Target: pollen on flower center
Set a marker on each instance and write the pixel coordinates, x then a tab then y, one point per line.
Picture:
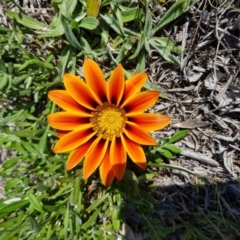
108	120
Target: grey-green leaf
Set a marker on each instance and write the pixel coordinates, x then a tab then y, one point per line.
35	202
26	20
89	23
165	52
69	34
177	9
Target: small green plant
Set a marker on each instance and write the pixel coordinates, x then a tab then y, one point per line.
166	147
121	30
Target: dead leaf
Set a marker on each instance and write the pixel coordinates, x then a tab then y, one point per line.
228	162
190	124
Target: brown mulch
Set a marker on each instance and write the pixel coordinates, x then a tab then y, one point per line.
204	97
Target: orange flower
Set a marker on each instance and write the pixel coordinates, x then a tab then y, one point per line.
104	123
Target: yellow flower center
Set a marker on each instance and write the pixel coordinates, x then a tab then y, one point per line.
108	120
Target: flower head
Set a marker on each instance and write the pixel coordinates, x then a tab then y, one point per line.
104	122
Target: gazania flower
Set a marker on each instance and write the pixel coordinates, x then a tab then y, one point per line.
104	122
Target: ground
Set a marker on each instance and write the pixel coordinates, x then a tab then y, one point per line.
204	97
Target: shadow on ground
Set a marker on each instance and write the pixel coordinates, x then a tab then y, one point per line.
203	211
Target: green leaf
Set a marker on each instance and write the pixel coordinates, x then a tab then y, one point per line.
172	148
148	24
112	22
10	235
35	226
133	187
64	59
141	66
166	42
141	42
178	136
116	226
89	23
2	65
5	138
118	16
164	95
164	52
12	184
125	48
130	176
30	116
147	197
35	202
147	176
11	161
26	21
91	220
130	14
64	190
11	118
18	148
75	197
28	146
151	86
66	222
147	30
43	142
176	10
56	32
13	206
164	152
4	29
3	80
69	34
67	7
97	203
118	40
87	49
36	62
19	79
56	28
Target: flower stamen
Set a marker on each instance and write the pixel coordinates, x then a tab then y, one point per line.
108	120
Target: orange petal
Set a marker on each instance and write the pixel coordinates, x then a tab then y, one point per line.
133	85
94	157
61	133
116	85
149	121
95	79
141	102
80	91
136	134
77	155
106	171
67	120
63	99
135	152
74	139
118	158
